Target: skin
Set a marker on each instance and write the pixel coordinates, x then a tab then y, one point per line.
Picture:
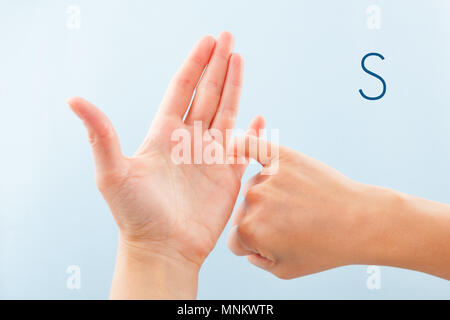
170	216
307	217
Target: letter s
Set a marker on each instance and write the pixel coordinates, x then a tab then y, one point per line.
374	75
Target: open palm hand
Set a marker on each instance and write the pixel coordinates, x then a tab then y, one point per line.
176	208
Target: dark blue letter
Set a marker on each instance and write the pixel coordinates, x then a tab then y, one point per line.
373	74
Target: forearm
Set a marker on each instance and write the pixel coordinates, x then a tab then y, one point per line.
408	232
143	274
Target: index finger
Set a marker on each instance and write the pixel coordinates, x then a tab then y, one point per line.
181	88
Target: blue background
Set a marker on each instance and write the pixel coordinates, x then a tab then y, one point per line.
303	74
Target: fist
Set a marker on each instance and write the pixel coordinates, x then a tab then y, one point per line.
298	215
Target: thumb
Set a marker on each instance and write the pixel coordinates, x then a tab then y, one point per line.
253	147
255	128
102	136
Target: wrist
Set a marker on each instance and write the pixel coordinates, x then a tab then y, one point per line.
404	231
378	215
151	271
160	250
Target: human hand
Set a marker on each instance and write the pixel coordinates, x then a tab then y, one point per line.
297	220
167	210
307	217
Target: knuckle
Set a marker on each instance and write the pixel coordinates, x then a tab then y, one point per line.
236	83
211	86
246	230
184	83
255	193
228	112
92	139
222	53
198	59
103	132
106	132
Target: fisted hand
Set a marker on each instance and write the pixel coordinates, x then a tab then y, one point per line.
300	216
297	219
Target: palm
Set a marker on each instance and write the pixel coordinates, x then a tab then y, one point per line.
151	197
186	203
